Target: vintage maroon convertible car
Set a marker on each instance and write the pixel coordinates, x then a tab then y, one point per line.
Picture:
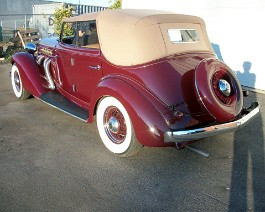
150	77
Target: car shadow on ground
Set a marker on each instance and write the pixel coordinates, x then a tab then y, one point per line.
247	174
248	160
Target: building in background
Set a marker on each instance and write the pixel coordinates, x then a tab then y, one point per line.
15	14
38	14
235	29
10	8
42	18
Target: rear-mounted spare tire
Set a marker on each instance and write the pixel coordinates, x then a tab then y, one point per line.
217	90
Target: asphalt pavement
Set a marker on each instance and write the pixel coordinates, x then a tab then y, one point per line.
50	161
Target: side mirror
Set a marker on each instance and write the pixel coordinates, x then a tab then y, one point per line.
31	48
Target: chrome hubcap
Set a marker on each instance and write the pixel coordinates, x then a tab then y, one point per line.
17	81
113	125
224	87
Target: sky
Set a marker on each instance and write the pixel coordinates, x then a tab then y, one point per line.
102	3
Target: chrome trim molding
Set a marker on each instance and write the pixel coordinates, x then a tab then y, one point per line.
46	65
200	133
40	58
224	87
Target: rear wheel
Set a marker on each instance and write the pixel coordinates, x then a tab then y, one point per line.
17	84
115	128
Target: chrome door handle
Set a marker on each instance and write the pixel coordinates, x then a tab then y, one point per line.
98	67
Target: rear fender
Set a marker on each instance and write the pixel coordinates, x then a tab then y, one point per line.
149	125
29	73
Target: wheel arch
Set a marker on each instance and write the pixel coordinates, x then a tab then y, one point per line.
148	123
28	69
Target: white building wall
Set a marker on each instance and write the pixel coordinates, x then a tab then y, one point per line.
43	22
235	27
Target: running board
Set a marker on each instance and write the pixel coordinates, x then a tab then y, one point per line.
60	102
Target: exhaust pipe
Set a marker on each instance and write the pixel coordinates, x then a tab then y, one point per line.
40	58
46	65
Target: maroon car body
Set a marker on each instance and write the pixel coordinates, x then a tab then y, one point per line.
154	82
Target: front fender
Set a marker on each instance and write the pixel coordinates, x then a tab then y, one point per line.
149	125
29	72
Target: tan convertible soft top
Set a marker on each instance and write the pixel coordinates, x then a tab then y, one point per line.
130	37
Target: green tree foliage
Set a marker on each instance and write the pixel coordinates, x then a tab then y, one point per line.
59	14
116	4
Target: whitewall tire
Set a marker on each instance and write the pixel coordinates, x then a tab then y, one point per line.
115	128
17	84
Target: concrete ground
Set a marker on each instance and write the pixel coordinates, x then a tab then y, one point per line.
50	161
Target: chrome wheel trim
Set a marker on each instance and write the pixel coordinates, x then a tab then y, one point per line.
118	146
224	87
114	125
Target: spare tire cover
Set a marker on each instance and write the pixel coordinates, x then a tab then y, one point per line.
217	90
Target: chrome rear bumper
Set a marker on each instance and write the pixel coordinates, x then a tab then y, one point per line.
200	133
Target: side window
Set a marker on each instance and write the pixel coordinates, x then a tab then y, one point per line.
87	36
68	33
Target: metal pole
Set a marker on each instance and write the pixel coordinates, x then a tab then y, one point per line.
25	22
78	7
15	25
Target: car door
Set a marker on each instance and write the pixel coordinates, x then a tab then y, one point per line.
85	72
80	65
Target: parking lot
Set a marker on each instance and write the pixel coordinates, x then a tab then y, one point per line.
50	161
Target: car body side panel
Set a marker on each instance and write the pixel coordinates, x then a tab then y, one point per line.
29	73
148	123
